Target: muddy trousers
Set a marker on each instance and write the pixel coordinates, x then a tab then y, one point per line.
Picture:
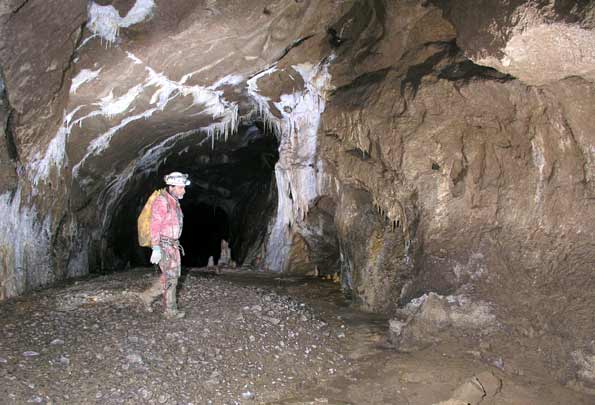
167	283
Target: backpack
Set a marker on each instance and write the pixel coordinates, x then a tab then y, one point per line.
143	222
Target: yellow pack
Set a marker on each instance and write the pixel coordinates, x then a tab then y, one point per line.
143	223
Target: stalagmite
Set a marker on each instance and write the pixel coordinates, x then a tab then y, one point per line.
225	257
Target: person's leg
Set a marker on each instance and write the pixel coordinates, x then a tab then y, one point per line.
170	294
170	275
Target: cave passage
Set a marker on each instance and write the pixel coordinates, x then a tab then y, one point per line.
204	228
232	196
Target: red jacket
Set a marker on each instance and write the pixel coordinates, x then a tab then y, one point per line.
166	218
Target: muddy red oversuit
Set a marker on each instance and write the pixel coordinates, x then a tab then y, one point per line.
166	228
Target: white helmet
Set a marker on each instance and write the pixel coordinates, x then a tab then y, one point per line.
176	179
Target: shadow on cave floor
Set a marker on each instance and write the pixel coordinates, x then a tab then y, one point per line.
248	337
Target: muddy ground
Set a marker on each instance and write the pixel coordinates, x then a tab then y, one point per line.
248	338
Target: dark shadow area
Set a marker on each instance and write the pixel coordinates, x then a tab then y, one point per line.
232	196
204	228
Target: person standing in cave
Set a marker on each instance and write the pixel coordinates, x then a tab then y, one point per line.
166	228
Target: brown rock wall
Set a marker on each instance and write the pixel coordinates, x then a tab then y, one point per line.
36	50
538	41
489	178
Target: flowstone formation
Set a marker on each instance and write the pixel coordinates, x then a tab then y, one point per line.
417	147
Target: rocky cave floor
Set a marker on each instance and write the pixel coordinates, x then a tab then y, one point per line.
247	338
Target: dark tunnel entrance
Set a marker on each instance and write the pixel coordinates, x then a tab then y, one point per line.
232	197
204	228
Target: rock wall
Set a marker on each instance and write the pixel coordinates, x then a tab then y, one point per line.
35	61
482	181
538	42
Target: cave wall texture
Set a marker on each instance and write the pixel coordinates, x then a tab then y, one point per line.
441	145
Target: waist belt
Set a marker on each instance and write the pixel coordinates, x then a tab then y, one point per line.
169	242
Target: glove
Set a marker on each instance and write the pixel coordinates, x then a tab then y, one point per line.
156	255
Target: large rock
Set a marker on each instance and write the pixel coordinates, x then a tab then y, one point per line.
538	42
422	321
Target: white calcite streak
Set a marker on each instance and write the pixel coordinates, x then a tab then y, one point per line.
102	142
297	175
105	21
229	80
210	66
225	113
84	76
24	247
111	106
55	155
164	91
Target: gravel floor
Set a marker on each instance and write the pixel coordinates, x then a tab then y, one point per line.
92	342
248	338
